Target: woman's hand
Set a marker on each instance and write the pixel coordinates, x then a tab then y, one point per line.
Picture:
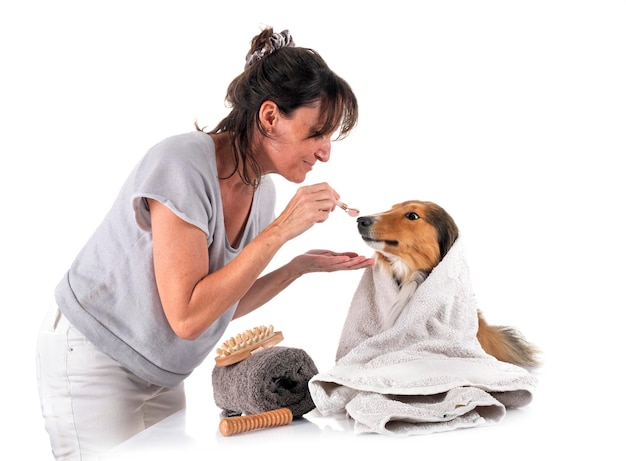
310	205
330	261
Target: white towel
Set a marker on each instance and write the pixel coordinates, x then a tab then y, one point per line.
428	372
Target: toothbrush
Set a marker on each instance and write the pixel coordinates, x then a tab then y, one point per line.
352	212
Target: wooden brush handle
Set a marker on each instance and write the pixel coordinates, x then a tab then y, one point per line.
238	424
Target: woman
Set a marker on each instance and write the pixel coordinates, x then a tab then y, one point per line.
182	250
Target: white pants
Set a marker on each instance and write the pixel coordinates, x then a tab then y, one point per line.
91	403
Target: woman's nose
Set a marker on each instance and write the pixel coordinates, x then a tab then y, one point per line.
323	152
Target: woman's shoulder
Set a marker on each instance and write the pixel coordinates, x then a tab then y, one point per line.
185	142
187	150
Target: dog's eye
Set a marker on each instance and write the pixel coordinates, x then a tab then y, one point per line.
412	215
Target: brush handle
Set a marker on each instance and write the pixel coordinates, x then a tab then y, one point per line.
272	418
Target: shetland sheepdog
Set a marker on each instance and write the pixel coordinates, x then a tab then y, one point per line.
410	240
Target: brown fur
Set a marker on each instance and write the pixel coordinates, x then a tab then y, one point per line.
410	239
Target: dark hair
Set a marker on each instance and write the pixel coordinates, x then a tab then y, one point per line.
291	77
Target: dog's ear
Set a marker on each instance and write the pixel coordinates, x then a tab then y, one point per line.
447	229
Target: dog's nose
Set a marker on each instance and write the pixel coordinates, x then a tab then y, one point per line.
364	221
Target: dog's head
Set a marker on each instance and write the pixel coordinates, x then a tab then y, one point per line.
412	237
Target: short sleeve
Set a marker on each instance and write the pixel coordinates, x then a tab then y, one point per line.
179	172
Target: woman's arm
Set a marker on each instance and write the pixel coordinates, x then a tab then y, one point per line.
193	298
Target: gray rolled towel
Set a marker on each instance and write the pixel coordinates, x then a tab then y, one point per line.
273	378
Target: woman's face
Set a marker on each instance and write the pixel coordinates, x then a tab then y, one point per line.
294	144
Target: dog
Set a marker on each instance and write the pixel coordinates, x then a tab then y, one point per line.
410	239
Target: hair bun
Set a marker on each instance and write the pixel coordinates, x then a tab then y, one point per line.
275	42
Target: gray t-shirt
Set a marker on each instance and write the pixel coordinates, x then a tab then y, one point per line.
109	293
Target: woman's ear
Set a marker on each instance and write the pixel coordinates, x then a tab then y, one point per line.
268	115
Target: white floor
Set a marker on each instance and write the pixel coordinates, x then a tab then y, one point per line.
509	114
556	424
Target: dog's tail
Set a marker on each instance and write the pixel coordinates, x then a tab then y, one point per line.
506	344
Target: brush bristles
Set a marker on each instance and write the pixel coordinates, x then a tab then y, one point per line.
244	340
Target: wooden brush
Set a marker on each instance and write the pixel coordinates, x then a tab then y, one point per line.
245	344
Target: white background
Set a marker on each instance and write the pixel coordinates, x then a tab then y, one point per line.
511	115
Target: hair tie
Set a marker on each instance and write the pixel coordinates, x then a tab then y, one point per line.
277	41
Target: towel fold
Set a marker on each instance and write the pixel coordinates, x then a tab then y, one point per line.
270	379
428	372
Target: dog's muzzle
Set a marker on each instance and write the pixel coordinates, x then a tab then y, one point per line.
364	224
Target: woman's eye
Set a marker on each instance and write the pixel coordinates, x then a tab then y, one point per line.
412	215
